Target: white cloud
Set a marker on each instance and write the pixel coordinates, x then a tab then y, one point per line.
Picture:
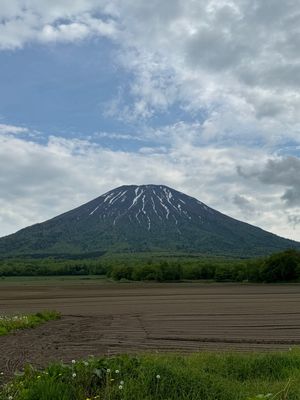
64	32
12	129
116	136
25	21
279	171
73	31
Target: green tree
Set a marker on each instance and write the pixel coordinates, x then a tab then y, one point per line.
282	266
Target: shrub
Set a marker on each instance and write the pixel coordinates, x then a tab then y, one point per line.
282	266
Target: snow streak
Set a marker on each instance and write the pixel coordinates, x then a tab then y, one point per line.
148	205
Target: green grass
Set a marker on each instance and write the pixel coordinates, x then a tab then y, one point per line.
28	280
203	376
15	322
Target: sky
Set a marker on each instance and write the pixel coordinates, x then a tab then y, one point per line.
202	96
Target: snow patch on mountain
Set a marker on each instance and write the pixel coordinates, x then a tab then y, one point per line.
147	205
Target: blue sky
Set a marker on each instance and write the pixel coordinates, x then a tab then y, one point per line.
202	96
60	88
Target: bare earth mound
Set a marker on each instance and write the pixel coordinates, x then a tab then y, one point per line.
102	318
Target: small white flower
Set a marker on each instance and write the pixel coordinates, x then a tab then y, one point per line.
73	362
122	383
108	371
120	387
10	398
73	375
117	371
157	376
86	363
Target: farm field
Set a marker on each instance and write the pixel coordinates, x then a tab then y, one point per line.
104	318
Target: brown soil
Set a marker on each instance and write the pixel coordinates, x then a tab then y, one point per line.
102	318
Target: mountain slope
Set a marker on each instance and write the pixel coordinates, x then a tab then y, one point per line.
144	218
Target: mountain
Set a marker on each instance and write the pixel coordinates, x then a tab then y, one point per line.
143	218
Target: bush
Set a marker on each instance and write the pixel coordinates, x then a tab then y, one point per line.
282	266
121	272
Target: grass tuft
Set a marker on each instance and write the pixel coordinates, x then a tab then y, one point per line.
15	322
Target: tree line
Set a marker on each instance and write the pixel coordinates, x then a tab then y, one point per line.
279	267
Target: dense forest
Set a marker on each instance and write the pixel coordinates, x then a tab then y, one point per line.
279	267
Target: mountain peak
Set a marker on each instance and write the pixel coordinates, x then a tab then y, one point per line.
143	187
147	205
144	218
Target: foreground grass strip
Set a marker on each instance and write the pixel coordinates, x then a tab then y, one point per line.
203	376
12	323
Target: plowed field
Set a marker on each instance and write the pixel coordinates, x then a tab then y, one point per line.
105	318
